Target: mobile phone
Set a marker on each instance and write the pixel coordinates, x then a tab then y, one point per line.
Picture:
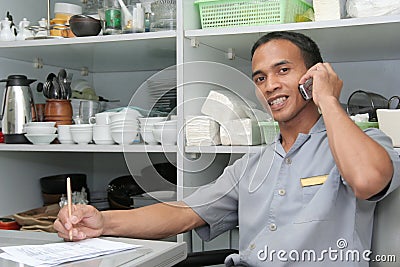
306	89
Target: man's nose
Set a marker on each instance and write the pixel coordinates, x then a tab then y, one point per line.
270	85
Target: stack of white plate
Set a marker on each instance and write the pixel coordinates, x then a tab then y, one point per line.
146	128
162	90
40	133
125	126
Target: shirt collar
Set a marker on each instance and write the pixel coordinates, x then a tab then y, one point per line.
318	127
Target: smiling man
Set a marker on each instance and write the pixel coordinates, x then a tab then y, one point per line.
310	200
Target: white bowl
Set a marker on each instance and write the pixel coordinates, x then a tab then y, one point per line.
66	141
124	115
82	137
151	120
81	127
165	136
64	133
104	142
165	125
40	130
41	139
124	137
148	137
124	123
41	124
123	128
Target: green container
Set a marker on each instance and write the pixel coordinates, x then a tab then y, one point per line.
229	13
367	124
269	130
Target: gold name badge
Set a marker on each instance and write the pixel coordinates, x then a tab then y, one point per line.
315	180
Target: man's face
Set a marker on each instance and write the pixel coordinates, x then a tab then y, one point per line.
277	68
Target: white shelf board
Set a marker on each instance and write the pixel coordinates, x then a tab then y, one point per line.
108	53
134	148
232	149
345	40
224	149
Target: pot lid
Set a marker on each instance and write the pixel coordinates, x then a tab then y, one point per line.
18	80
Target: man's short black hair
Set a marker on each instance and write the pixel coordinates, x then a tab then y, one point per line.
309	49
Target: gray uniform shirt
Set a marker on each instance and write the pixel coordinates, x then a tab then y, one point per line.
292	207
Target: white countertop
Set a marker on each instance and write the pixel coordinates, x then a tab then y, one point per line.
153	253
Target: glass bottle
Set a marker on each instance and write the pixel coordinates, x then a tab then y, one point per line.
112	13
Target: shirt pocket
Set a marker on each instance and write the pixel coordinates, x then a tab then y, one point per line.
318	201
309	192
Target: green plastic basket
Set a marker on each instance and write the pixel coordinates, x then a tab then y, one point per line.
228	13
367	124
269	130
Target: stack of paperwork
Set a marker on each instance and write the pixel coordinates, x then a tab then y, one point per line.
57	253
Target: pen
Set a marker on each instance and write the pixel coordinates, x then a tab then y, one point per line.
69	204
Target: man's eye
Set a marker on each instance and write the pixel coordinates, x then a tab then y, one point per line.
259	79
283	70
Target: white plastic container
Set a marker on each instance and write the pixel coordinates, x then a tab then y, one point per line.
66	10
329	9
389	123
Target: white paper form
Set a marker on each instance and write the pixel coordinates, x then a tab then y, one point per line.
56	253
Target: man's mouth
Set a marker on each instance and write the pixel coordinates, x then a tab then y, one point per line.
277	101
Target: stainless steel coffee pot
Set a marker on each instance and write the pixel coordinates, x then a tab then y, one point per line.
18	108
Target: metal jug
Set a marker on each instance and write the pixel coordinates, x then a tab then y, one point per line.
18	108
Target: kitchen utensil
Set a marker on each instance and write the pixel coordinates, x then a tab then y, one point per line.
41	139
158	177
120	190
88	109
102	135
58	110
125	11
112	17
82	134
62	77
46	88
6	33
134	21
82	25
18	108
57	93
39	113
24	32
64	134
39	87
57	184
394	102
361	102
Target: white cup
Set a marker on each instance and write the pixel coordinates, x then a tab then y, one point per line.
64	134
102	118
102	135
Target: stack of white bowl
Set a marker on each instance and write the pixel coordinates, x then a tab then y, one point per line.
82	133
41	133
146	128
165	132
64	134
124	126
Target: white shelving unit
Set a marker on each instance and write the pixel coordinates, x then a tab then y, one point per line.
112	53
134	148
367	43
346	40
